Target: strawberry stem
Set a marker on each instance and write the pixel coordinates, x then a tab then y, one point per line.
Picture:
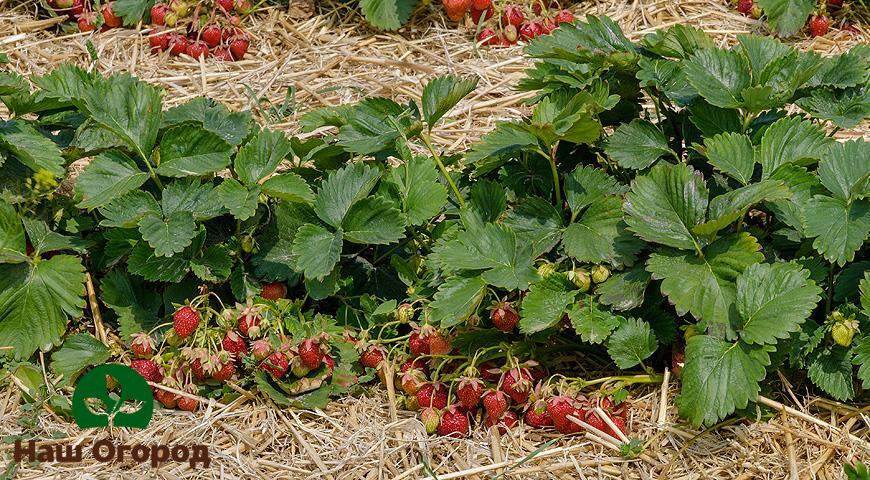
437	159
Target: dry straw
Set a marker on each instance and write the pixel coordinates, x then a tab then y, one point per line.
330	58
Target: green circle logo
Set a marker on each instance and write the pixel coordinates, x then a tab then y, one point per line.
107	409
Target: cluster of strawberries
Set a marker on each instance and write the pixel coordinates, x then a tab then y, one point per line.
86	15
208	29
818	24
514	22
449	393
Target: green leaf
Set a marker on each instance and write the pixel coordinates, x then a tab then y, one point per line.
792	140
135	304
733	154
631	343
668	77
600	235
145	263
705	286
275	260
131	10
586	185
215	264
592	323
37	302
718	75
192	196
761	51
786	17
712	120
719	378
774	300
845	170
493	248
31	148
190	151
169	235
730	206
387	14
240	200
43	240
839	228
129	108
421	195
624	290
373	220
456	300
845	108
316	250
126	210
232	127
12	240
678	41
803	185
109	176
505	138
535	221
843	71
545	304
342	189
637	145
373	126
831	370
665	204
442	94
862	354
487	202
259	158
78	352
290	187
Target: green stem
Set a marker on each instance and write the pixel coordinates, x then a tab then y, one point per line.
441	167
747	119
830	298
555	173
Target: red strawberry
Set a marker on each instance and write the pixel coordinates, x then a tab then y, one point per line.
196	368
168	399
537	415
373	356
249	324
549	25
225	372
453	423
678	360
142	346
517	383
432	395
86	22
260	349
594	420
159	42
244	7
745	6
531	30
477	14
211	35
414	363
310	353
469	392
438	344
187	404
149	370
489	371
564	16
158	13
513	15
819	25
329	361
223	54
109	17
274	290
197	49
431	419
504	317
185	319
238	49
177	44
495	402
412	380
481	4
504	423
560	407
456	9
78	7
226	5
418	344
487	36
276	364
234	343
620	424
835	3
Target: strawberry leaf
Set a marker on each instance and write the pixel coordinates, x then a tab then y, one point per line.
135	304
37	302
624	290
214	265
342	189
12	240
442	94
186	150
143	261
792	140
126	210
240	200
546	303
387	14
168	235
290	187
493	248
192	196
839	228
109	175
600	235
845	170
678	41
802	185
862	352
586	184
830	369
631	343
456	300
419	194
505	138
373	220
719	378
719	76
316	250
637	145
592	323
537	222
845	108
733	154
259	158
667	77
129	108
213	116
786	17
275	260
79	351
31	148
43	240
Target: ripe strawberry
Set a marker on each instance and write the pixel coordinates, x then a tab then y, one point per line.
513	15
517	383
276	364
238	49
142	346
487	36
560	407
469	391
234	343
87	22
373	356
431	419
620	424
168	399
504	317
197	49
477	14
177	44
149	370
453	423
438	344
329	362
159	42
185	319
273	290
197	369
225	372
530	30
495	402
187	404
819	25
211	35
260	349
225	5
78	7
111	20
489	371
594	420
310	353
504	423
223	54
745	6
564	16
249	325
414	363
432	395
418	344
412	380
481	4
456	9
158	13
537	415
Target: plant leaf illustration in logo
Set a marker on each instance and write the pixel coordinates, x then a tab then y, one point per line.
132	388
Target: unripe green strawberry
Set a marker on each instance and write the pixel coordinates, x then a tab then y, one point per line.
689	332
844	331
600	273
404	313
546	269
431	419
580	278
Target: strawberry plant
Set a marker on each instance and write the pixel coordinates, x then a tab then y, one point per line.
787	17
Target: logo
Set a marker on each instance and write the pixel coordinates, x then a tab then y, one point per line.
134	392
